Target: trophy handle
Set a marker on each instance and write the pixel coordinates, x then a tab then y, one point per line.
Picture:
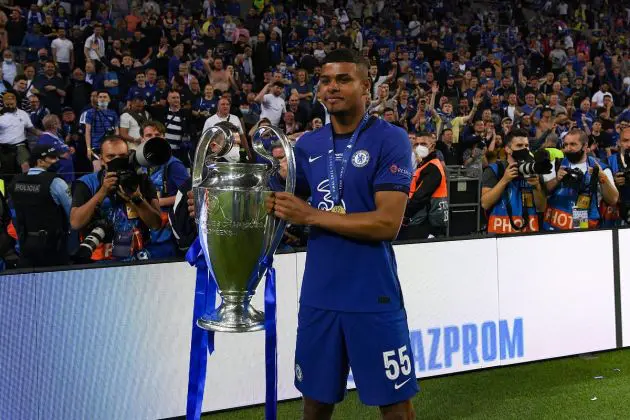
202	149
259	148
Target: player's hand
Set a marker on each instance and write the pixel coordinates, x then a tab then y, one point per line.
191	204
511	172
288	207
562	172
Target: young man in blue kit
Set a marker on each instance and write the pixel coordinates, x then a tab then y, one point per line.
351	314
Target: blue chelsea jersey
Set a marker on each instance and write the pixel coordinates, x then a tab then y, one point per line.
342	273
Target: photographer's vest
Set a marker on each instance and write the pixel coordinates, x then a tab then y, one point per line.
437	212
611	215
118	215
564	200
159	178
517	199
41	224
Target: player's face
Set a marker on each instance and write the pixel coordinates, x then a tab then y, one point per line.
342	87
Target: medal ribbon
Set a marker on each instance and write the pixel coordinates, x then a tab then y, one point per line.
336	184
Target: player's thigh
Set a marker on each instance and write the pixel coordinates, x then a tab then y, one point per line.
321	360
380	356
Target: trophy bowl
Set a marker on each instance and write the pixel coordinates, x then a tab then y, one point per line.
235	230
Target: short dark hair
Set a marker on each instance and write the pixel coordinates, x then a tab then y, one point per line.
345	55
388	109
113	138
515	132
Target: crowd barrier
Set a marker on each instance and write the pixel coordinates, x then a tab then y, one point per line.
113	342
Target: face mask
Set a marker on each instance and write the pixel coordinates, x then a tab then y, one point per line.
422	151
522	155
103	104
54	167
574	157
234	155
8	60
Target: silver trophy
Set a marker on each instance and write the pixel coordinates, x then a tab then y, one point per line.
235	231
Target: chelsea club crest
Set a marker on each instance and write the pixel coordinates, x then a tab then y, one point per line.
360	158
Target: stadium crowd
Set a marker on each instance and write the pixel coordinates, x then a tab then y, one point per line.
532	98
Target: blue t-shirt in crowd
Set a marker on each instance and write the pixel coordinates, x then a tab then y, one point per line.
66	165
345	274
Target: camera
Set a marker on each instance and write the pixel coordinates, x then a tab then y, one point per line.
573	178
153	152
540	164
100	231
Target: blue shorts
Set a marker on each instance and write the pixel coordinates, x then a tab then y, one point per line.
375	345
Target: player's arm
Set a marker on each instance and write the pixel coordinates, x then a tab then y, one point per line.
381	224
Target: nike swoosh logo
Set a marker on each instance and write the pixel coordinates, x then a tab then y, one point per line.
398	386
313	159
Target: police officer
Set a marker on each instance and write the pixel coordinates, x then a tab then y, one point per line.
167	180
512	201
42	207
99	197
427	209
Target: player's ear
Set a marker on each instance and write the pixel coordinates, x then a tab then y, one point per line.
366	86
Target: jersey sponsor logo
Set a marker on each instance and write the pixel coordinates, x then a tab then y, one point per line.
298	373
360	158
312	159
327	203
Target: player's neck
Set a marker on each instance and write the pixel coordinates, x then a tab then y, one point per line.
346	124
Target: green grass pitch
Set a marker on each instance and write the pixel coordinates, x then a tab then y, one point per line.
555	389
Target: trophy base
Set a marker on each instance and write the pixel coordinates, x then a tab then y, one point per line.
233	318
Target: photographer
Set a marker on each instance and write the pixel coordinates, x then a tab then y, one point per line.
618	214
166	179
573	188
512	198
101	197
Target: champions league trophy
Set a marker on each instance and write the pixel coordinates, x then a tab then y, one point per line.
237	235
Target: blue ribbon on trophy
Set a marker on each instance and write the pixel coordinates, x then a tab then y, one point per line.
232	219
201	340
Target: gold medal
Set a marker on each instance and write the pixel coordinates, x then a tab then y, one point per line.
338	209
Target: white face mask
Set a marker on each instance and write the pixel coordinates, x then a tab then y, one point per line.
234	155
422	151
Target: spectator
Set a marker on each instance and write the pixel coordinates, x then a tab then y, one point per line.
14	153
42	209
10	69
132	120
51	88
176	120
94	48
167	179
100	122
63	53
273	105
64	167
